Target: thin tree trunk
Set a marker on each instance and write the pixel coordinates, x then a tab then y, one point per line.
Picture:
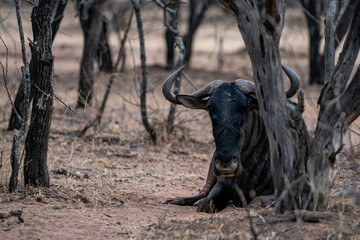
20	99
172	25
57	16
92	26
22	120
170	41
316	60
143	80
114	69
195	20
36	145
103	52
329	51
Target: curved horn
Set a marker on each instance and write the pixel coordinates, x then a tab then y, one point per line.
249	87
201	93
166	87
294	80
207	90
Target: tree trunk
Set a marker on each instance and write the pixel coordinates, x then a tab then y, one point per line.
20	101
36	144
92	26
143	80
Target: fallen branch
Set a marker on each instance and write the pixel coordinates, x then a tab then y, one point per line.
68	173
12	213
303	215
126	155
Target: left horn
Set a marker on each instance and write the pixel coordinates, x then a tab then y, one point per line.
245	86
169	81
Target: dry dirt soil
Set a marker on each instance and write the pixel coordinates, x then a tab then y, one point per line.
124	177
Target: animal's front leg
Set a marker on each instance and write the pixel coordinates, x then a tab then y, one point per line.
208	204
189	201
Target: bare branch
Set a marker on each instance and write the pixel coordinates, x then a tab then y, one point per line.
308	14
123	40
344	5
346	62
163	5
5	73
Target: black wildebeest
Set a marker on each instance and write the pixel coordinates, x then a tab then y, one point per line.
240	168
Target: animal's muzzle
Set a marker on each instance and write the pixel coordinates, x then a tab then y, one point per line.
226	169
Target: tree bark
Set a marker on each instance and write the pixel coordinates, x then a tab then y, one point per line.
20	101
36	144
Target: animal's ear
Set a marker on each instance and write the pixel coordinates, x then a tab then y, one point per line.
191	101
253	101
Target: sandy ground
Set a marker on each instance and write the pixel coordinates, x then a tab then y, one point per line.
125	177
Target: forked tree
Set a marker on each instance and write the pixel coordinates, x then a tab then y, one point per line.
303	166
314	11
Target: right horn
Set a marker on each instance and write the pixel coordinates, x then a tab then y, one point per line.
294	81
202	93
166	87
249	87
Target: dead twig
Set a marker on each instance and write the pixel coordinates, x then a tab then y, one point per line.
12	213
68	173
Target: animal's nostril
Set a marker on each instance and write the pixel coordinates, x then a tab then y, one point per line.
234	160
217	161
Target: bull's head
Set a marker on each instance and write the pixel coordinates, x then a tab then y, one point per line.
228	105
